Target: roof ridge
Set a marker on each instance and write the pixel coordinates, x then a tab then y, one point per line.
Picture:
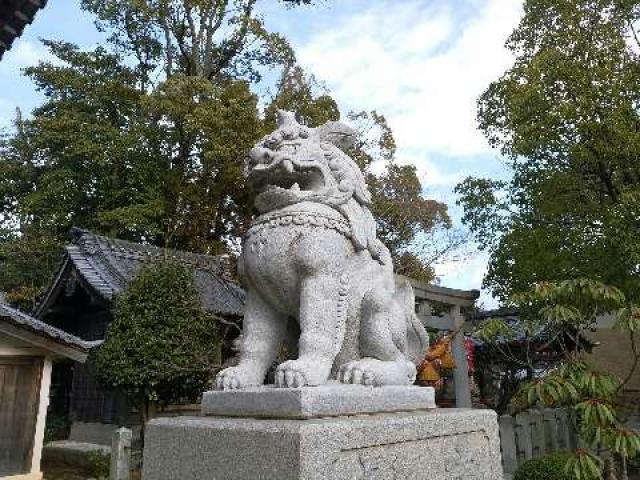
128	249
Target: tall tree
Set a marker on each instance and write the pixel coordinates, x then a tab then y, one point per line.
566	117
202	38
145	138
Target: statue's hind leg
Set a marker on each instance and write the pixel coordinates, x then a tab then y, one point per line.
383	344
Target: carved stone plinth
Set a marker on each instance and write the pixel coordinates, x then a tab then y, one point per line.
429	444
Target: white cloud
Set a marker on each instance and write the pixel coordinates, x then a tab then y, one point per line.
430	173
24	53
424	72
423	64
467	275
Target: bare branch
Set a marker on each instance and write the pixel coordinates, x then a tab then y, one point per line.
164	18
214	22
195	47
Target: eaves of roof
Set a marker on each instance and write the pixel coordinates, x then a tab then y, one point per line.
14	16
76	348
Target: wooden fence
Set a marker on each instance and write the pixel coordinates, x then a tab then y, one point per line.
534	433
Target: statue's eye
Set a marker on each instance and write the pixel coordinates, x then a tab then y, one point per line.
288	134
334	163
271	142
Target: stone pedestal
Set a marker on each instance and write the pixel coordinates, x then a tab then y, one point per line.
415	444
330	400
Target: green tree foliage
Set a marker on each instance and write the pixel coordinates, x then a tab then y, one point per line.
304	94
25	265
145	138
566	117
570	308
202	38
161	345
405	218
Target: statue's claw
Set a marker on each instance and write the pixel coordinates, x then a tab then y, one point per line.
301	372
234	378
373	372
290	379
291	374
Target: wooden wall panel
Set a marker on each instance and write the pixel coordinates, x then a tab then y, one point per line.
19	395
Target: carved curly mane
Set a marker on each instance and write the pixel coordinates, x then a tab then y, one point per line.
283	155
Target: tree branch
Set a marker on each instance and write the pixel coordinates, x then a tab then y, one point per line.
636	360
164	19
195	47
234	46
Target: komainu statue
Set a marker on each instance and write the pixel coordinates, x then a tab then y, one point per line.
316	275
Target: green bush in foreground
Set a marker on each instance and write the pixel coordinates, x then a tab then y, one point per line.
98	465
161	347
547	467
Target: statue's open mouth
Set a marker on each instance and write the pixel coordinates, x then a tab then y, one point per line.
286	175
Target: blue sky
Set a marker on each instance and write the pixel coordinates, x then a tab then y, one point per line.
422	63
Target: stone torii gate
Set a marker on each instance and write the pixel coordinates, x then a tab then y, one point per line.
454	300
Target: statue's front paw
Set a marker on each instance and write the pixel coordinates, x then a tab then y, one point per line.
374	372
301	372
233	378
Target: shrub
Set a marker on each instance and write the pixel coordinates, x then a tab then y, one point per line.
547	467
56	428
98	465
161	346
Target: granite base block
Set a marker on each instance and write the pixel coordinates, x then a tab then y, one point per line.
330	400
432	444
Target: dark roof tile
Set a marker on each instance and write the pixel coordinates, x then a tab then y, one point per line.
14	16
107	265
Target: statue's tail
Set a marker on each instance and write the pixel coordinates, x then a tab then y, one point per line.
417	336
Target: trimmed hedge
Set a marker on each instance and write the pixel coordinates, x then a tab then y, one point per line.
547	467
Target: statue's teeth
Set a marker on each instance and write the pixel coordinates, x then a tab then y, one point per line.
288	165
295	187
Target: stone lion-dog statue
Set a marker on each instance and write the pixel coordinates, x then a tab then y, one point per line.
316	275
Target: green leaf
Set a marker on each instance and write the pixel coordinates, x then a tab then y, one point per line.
584	465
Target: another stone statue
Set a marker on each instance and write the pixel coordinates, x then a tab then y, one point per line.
316	273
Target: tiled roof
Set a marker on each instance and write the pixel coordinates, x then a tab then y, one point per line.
107	265
26	322
504	312
14	16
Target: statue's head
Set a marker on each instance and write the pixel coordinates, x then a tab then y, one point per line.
297	163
